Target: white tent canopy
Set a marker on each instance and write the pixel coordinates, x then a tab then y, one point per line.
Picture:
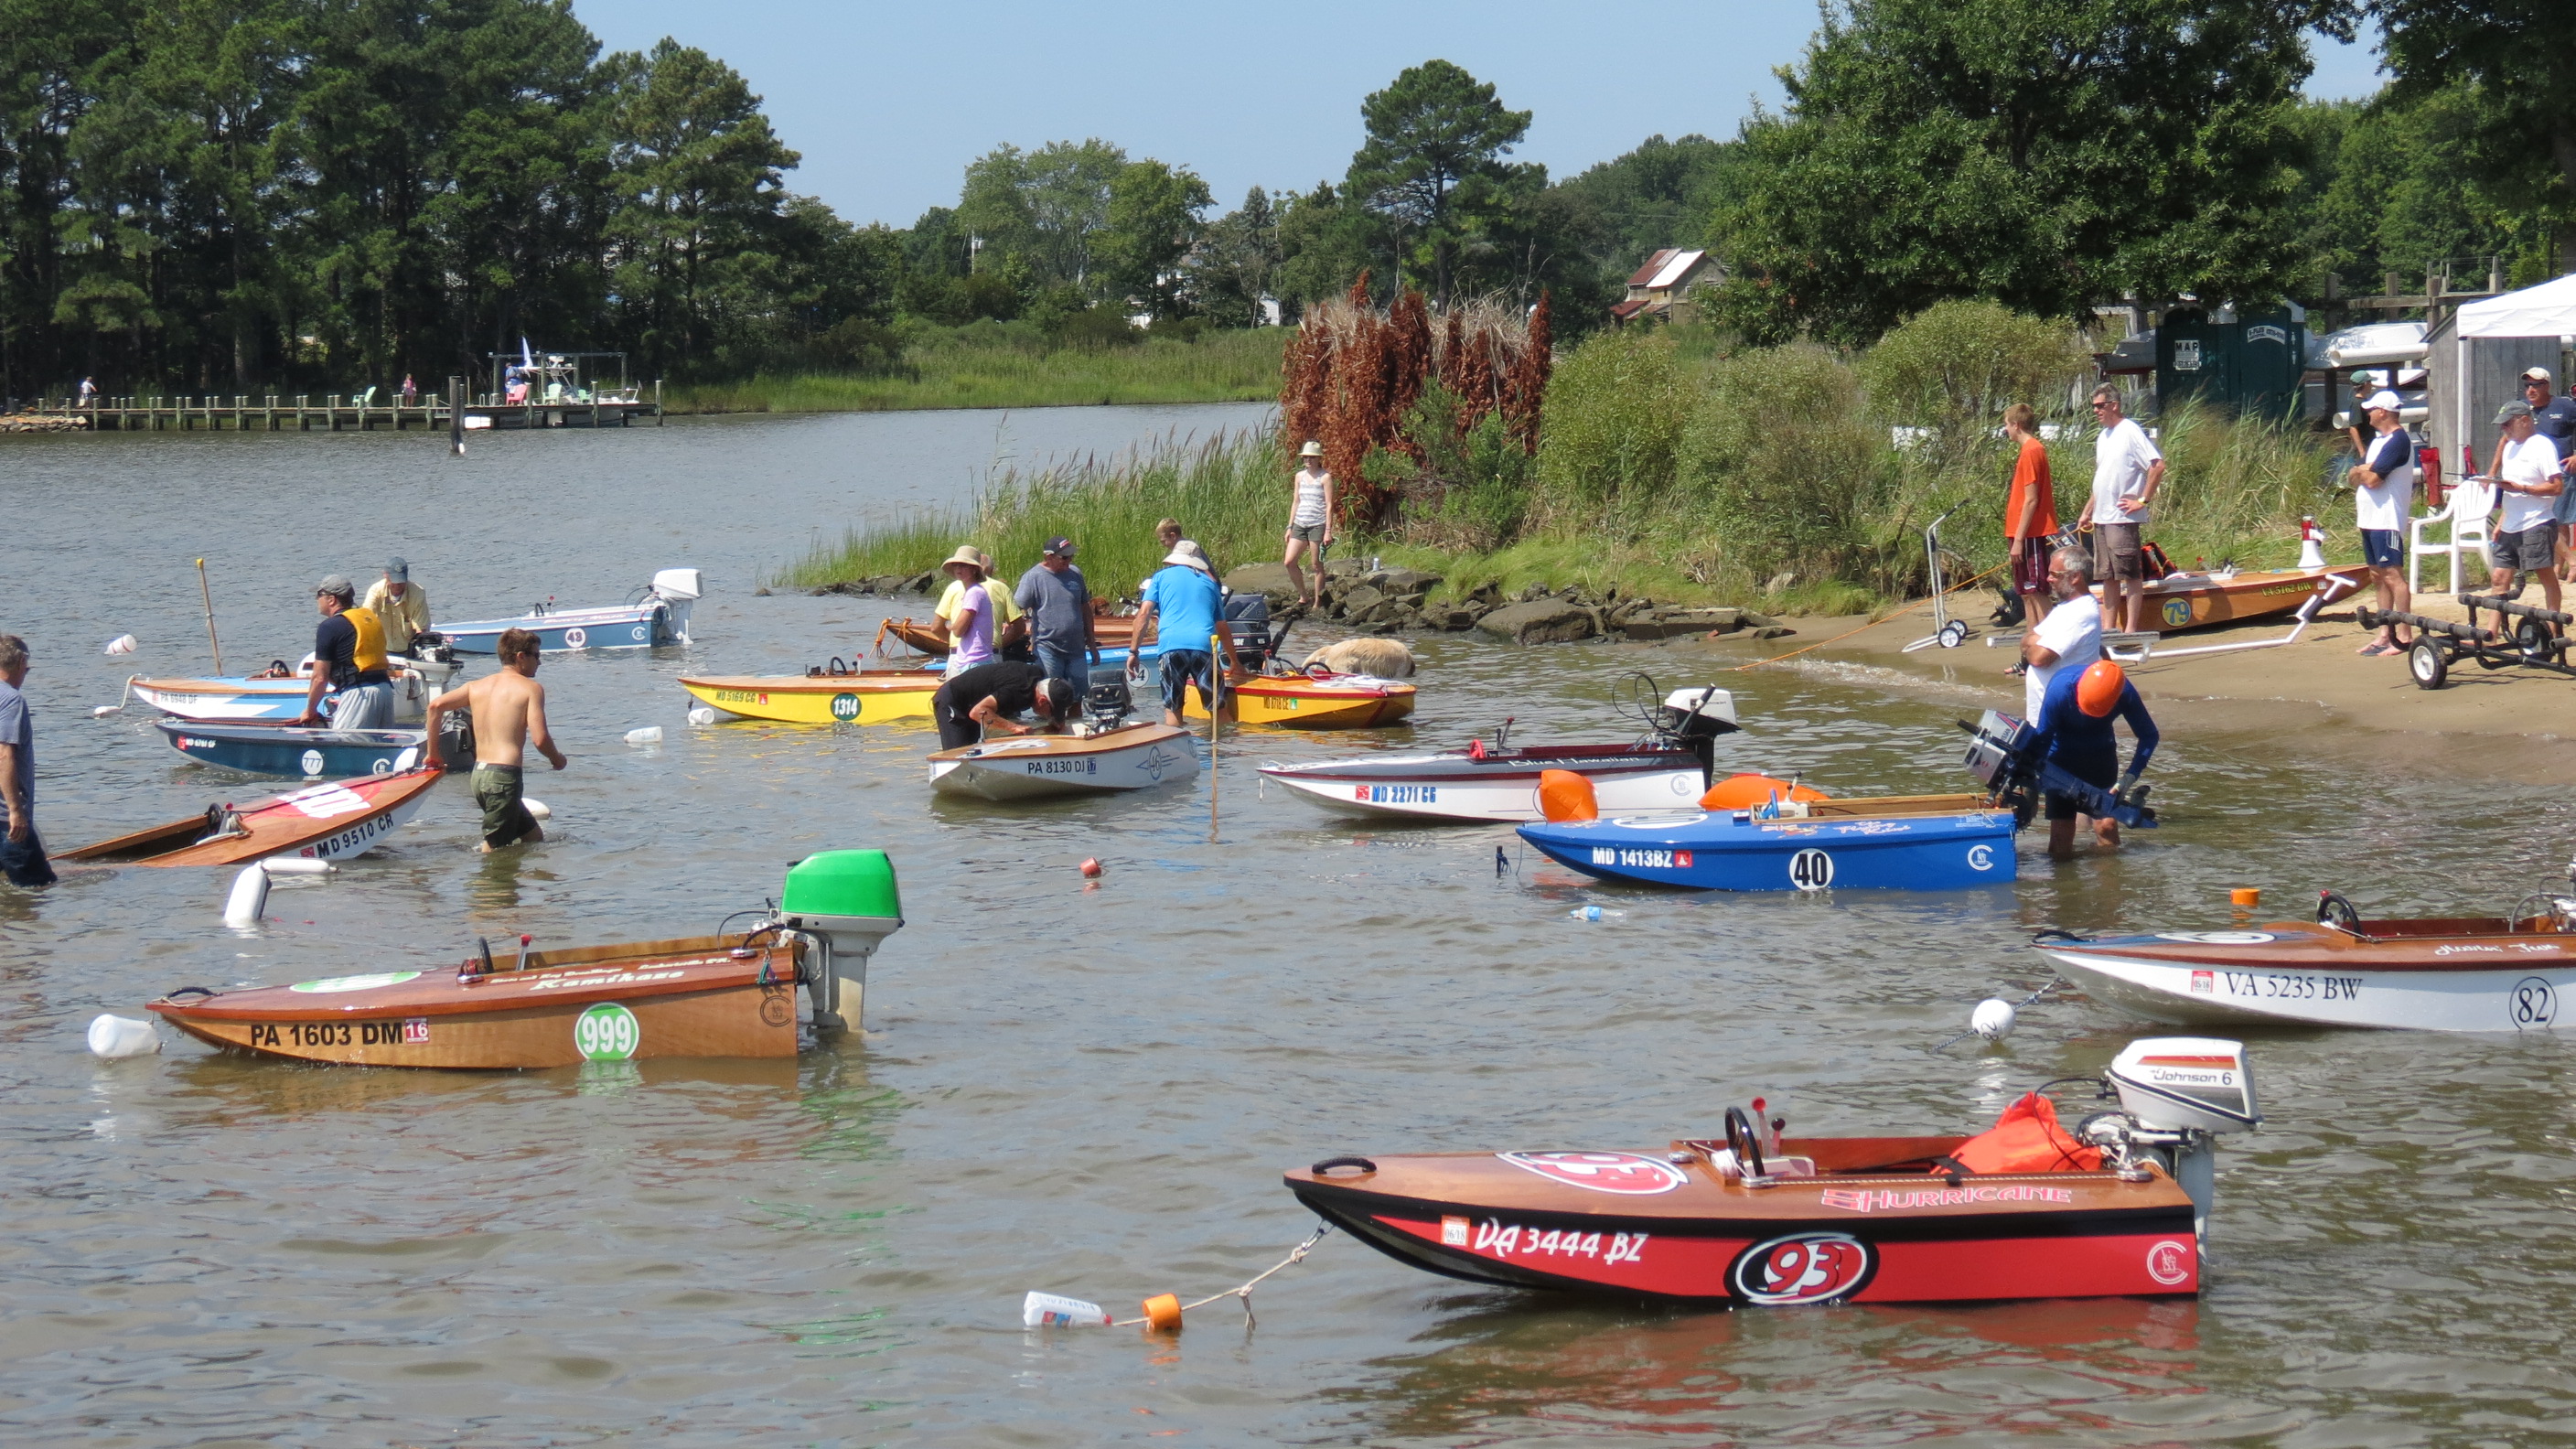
2548	310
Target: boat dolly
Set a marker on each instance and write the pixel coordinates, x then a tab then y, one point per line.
2538	641
1947	632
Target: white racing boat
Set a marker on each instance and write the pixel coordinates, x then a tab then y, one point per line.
1667	770
1031	767
2469	973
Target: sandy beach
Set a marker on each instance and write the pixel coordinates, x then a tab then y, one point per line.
2344	706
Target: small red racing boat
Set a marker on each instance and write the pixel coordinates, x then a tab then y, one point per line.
331	821
2028	1210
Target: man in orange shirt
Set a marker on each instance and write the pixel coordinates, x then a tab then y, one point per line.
2030	513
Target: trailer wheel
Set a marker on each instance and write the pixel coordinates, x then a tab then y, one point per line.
2533	638
1954	634
2426	663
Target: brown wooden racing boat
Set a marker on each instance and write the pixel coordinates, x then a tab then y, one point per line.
333	821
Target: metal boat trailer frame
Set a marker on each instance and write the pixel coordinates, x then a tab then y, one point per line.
2441	643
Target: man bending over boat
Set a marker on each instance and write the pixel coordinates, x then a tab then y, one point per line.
2074	726
993	695
509	714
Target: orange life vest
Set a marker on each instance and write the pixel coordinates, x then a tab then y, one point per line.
2026	1138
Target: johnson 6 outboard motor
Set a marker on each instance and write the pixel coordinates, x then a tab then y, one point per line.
2177	1094
1109	702
2004	755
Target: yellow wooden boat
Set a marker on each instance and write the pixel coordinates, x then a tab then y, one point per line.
865	696
1315	701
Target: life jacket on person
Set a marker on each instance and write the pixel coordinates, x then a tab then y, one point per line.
2026	1138
369	652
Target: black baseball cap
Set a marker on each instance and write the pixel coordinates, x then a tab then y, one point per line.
1060	546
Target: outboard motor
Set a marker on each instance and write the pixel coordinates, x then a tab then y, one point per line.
2003	753
456	739
1109	702
1696	717
679	588
2177	1095
1249	614
844	903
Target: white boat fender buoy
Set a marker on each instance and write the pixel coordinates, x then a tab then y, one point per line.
248	900
648	735
1993	1019
104	710
537	808
703	715
112	1036
122	644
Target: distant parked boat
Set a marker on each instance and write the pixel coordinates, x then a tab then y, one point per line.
658	616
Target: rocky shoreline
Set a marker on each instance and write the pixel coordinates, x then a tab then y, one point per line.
1397	601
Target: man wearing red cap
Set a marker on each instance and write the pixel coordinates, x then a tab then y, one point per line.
2075	718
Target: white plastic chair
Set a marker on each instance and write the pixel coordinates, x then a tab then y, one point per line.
2467	514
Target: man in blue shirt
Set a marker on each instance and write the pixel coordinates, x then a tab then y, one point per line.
2553	416
22	851
1182	606
2074	726
1057	601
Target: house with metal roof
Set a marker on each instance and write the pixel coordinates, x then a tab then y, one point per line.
1660	290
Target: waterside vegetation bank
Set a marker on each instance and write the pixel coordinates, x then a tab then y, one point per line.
1673	466
990	364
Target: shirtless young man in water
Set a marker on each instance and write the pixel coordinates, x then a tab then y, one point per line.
509	710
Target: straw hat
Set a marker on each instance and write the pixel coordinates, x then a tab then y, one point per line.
1190	556
1312	449
970	556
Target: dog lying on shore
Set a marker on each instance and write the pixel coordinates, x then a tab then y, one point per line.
1384	658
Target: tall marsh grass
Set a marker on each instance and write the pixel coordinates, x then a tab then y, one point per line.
992	366
1230	492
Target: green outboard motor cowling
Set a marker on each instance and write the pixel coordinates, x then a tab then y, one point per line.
847	899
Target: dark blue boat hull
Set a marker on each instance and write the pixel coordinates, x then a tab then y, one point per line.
307	754
1730	852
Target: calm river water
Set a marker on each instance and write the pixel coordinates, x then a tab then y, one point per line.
1092	1091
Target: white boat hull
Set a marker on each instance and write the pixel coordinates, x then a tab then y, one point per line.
2526	995
276	701
1022	768
1456	787
362	835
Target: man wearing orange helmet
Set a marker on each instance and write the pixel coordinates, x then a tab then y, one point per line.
2075	718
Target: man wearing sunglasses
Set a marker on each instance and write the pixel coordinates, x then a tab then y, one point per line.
2127	470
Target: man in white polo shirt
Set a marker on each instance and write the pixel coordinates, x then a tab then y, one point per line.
2383	495
2127	470
2527	475
2069	638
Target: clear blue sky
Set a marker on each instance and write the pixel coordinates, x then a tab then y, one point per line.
889	102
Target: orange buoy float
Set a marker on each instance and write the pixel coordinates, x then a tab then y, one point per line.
2247	896
1163	1313
1752	792
1091	868
1565	795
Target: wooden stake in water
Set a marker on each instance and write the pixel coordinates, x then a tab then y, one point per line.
1216	715
208	594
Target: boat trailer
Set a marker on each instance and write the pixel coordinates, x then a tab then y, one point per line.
2538	641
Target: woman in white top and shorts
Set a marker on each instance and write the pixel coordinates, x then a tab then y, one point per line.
1310	522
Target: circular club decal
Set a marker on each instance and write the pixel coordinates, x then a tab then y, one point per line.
356	983
576	637
1807	1268
1811	870
1981	857
2533	1005
2177	613
2216	938
1625	1173
2169	1262
607	1033
845	706
640	634
312	762
386	767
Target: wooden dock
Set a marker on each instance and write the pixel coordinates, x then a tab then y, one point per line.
304	413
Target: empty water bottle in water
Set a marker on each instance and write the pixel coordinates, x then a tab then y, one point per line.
1046	1310
649	735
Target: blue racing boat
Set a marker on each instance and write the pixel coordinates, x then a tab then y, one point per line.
312	754
657	616
1920	843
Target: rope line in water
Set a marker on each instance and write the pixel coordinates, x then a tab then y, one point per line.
1295	1255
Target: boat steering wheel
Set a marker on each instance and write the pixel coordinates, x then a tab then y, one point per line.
2333	910
1744	1142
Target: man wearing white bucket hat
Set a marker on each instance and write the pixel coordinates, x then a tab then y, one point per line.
1310	521
2383	494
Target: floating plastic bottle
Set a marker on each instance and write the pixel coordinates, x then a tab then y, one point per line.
122	644
703	715
649	735
113	1036
1047	1310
